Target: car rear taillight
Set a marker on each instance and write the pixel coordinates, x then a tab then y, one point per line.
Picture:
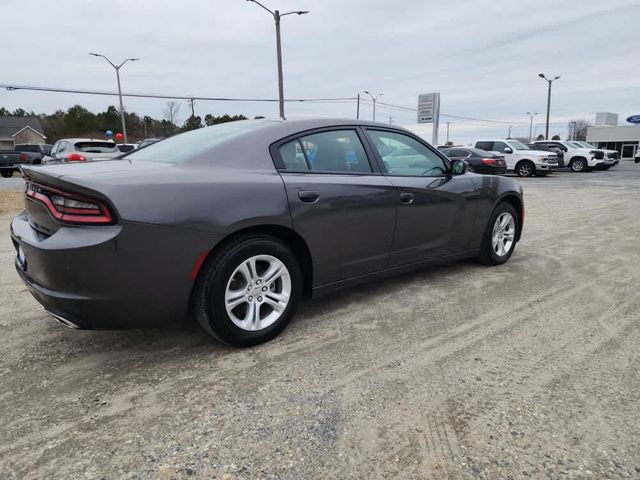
23	157
489	161
69	207
76	157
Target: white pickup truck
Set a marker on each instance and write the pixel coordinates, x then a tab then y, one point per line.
520	158
579	158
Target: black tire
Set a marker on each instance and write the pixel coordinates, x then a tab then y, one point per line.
487	255
209	300
6	173
526	168
637	160
470	169
578	165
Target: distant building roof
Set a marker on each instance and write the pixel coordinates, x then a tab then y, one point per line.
9	126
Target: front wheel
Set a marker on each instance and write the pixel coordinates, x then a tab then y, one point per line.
525	168
499	239
578	165
248	291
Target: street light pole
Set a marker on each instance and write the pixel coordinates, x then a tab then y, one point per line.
374	99
549	81
117	69
276	17
531	115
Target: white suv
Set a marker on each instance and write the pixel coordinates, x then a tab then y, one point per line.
520	158
579	158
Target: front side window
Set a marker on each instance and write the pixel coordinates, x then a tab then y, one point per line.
516	145
403	155
335	151
488	146
500	147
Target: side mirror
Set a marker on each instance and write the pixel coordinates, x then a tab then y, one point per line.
508	150
459	167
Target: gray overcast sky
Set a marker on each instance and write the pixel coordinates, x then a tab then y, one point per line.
482	55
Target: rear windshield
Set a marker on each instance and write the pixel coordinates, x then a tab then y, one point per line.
188	145
95	147
125	148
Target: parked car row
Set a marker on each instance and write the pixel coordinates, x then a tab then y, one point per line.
498	156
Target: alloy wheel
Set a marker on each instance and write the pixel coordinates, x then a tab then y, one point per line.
525	170
258	292
504	234
577	165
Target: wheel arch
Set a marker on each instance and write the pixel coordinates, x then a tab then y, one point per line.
516	202
286	235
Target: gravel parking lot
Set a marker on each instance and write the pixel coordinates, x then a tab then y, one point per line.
527	370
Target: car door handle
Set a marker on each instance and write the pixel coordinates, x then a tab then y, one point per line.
308	196
406	198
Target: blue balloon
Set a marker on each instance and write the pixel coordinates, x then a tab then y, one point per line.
109	133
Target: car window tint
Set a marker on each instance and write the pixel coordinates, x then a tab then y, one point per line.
488	146
95	147
500	146
335	151
293	157
404	155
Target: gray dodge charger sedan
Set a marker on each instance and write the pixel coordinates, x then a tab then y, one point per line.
235	223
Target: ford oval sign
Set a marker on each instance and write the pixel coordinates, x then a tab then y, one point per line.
633	119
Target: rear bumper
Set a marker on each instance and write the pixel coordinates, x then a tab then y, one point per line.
107	277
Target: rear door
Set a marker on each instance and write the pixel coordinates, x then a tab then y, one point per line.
340	203
435	209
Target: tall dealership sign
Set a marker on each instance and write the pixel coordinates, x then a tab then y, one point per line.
429	112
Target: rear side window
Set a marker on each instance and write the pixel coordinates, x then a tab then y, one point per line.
28	148
488	146
95	147
335	151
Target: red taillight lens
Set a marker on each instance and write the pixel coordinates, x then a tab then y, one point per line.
23	157
489	161
76	157
68	207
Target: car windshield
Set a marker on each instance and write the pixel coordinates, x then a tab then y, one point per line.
585	144
95	147
181	148
518	145
570	145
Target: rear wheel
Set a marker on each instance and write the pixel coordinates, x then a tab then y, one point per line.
6	173
525	168
578	165
248	291
499	239
470	169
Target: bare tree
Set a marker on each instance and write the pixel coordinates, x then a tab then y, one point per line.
171	111
579	129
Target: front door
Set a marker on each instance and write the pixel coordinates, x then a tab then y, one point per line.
342	206
436	210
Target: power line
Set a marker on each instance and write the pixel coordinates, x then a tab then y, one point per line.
170	97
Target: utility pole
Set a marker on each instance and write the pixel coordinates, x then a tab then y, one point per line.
117	68
390	120
358	108
193	110
276	17
549	81
447	134
531	115
509	134
374	100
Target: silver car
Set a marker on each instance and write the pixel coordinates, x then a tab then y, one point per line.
81	150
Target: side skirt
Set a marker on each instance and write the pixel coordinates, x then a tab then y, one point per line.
321	290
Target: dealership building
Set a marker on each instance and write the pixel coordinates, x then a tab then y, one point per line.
606	133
